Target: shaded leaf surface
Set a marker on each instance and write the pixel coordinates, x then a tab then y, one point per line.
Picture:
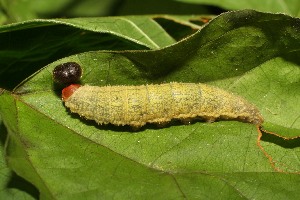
291	7
66	156
49	40
18	10
11	186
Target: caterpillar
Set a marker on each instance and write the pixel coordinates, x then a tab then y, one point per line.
159	103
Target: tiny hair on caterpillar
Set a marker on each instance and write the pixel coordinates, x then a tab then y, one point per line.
157	103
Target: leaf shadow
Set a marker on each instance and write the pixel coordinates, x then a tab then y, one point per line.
3	134
284	143
15	181
292	57
148	126
125	128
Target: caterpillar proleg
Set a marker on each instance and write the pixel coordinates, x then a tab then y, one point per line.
158	103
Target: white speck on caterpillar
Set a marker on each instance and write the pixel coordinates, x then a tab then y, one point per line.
138	105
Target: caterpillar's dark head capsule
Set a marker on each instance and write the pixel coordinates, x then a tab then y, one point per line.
65	73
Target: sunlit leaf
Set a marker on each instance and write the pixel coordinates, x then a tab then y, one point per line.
252	54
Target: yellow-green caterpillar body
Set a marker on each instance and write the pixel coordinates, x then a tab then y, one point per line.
158	103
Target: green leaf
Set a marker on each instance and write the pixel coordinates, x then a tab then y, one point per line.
11	186
49	40
280	152
290	7
3	17
133	7
18	10
252	54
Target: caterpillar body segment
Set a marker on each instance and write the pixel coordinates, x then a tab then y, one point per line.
160	103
